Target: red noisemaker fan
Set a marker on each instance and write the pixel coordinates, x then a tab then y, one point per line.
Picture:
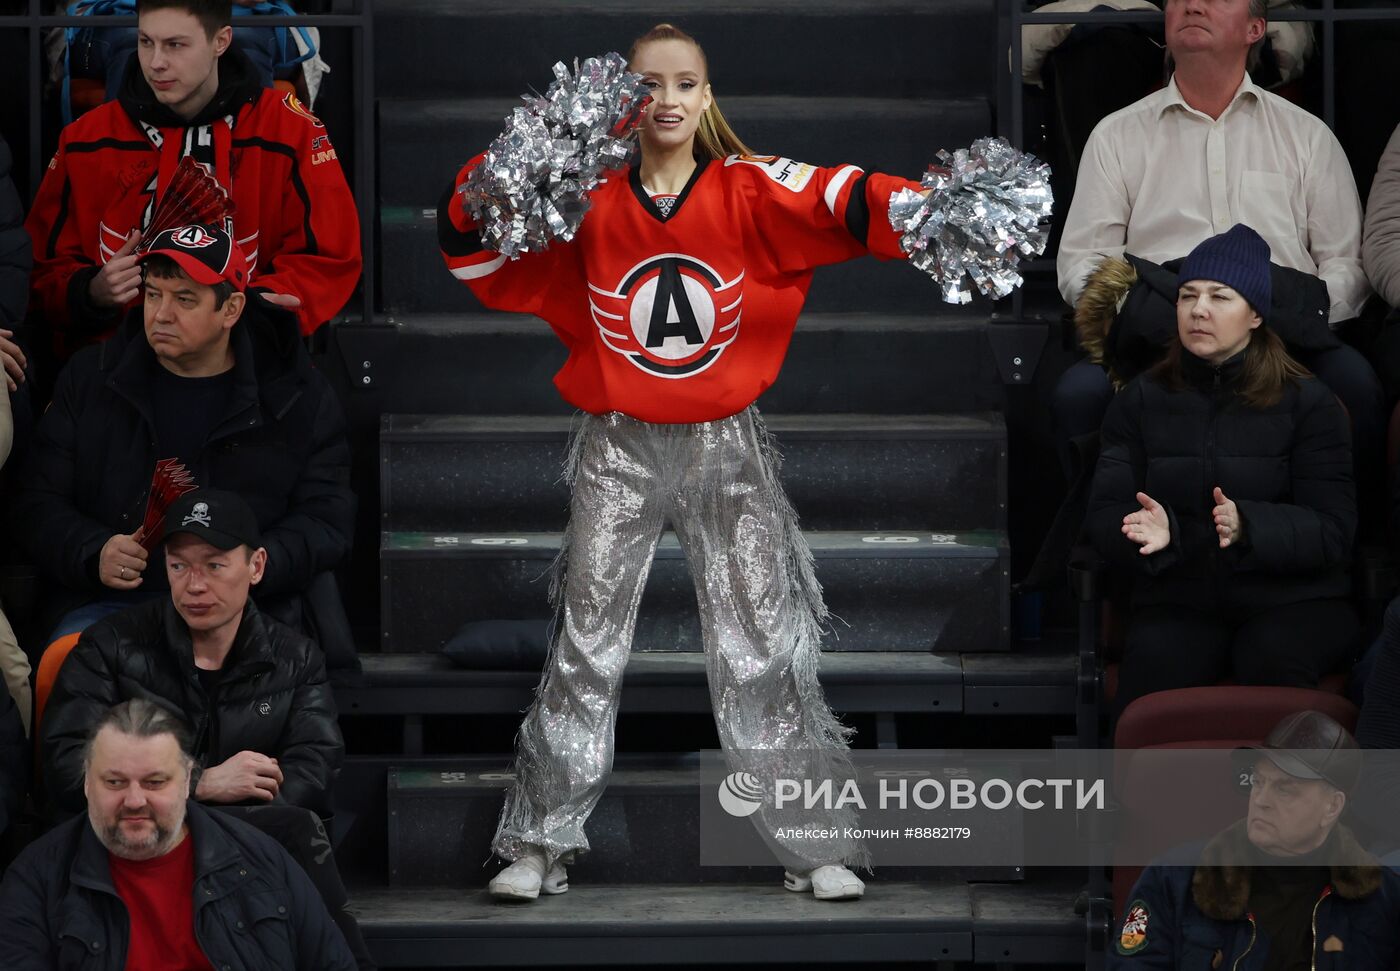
192	197
171	481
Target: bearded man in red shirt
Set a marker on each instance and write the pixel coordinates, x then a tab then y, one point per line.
150	879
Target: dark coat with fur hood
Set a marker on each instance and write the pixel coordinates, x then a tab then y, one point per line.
1195	917
1126	316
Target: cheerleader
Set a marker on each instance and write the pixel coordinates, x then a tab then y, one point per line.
677	300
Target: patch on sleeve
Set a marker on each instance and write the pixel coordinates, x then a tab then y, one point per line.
294	105
1133	937
784	171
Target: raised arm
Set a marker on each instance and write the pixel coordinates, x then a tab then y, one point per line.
808	216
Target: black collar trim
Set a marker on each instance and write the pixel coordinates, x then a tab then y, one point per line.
634	176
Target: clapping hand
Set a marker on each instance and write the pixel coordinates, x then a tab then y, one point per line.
1227	519
1149	527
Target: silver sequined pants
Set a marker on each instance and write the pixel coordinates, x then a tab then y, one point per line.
761	616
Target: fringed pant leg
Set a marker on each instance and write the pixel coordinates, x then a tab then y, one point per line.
564	750
762	616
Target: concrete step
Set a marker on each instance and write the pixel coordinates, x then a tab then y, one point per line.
868	363
655	682
930	591
898	921
669	924
646	828
476	473
895	48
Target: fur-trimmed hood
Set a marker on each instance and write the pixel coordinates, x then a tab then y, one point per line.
1126	315
1104	292
1220	884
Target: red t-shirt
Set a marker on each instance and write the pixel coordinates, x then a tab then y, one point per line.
159	898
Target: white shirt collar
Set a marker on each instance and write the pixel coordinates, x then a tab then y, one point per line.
1174	98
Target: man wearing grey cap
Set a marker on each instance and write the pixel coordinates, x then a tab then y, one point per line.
267	747
1286	887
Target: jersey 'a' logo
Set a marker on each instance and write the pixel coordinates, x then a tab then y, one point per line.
671	316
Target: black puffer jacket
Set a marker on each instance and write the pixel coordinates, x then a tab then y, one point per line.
281	445
273	698
254	907
1288	468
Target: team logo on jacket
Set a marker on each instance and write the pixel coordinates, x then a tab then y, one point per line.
1133	937
671	315
294	105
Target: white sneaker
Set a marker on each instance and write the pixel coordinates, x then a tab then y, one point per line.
526	878
830	882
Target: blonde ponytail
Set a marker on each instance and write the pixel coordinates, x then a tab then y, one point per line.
714	139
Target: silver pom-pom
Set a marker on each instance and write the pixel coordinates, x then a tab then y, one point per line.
533	185
982	214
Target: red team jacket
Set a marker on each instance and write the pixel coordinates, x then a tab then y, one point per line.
295	217
686	318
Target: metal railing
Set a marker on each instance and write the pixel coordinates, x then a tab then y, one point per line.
361	26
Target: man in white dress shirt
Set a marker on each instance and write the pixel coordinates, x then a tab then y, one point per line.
1188	162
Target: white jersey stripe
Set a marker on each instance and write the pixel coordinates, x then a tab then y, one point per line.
478	270
833	188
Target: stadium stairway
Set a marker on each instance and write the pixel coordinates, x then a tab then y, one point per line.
888	413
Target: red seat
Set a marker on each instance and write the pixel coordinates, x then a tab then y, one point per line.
1335	683
1218	717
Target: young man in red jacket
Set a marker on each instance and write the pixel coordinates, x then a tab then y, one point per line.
187	92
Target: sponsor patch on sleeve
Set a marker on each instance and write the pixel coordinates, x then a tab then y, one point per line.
1133	937
784	171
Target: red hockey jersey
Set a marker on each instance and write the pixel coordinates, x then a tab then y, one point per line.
685	318
294	215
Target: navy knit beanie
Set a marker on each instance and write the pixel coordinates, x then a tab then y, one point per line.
1239	259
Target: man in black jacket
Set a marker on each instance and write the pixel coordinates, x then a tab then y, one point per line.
253	691
218	380
147	877
266	743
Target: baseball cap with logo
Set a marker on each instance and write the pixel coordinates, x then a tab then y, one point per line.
206	253
221	519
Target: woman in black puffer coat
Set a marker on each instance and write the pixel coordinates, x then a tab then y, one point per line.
1224	484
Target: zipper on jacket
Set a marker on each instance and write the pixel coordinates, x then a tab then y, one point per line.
1210	483
1312	956
1253	932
